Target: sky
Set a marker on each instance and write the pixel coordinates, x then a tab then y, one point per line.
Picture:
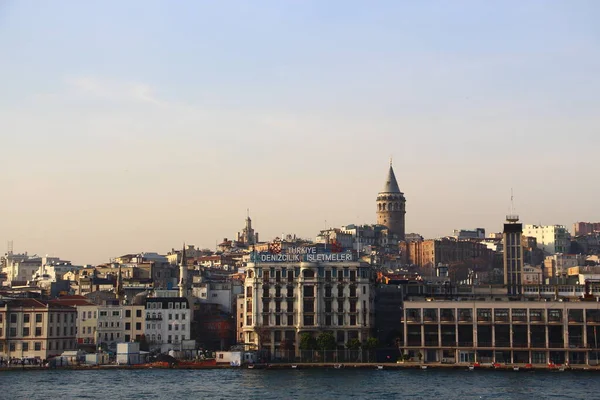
139	125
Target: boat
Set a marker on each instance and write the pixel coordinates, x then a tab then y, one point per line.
294	366
251	366
423	367
380	367
515	368
471	367
338	366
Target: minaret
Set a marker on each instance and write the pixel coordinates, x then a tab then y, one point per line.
391	206
183	270
119	289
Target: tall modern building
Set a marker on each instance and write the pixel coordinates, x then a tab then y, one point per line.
513	255
391	206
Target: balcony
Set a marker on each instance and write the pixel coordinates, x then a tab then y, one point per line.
154	318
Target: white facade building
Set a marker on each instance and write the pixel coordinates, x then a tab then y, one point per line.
550	238
168	322
282	300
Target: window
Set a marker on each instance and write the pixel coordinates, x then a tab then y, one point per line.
116	313
38	331
176	327
353	320
37	346
309	320
170	316
278	320
103	313
170	328
170	305
182	316
12	332
127	313
176	316
138	313
25	318
51	331
51	317
290	320
340	320
13	318
25	346
25	331
72	317
138	326
90	314
127	326
12	346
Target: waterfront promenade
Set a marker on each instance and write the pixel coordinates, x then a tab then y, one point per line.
305	366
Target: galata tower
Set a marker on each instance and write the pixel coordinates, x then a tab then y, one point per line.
391	206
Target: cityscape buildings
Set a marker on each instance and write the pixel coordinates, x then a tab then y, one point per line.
520	296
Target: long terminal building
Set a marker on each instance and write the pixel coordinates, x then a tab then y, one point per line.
497	330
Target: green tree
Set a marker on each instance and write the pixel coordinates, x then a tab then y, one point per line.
307	342
371	343
326	341
353	344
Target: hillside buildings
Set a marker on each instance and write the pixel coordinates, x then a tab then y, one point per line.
585	228
550	238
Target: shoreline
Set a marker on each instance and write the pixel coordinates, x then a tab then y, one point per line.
294	366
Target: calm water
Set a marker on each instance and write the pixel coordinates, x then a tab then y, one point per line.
297	384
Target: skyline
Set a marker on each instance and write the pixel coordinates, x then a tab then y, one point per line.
138	126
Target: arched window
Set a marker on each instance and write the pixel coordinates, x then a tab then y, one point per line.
159	338
250	274
154	338
383	207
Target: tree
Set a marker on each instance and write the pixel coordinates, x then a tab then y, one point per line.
307	342
326	341
371	343
353	344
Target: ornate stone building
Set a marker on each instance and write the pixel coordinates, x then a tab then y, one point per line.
391	206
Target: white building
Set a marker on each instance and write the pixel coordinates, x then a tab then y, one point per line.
304	291
221	293
168	322
550	238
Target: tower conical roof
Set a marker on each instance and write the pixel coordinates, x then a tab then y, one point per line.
391	185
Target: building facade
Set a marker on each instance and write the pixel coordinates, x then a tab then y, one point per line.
511	332
168	322
32	328
282	300
550	238
513	255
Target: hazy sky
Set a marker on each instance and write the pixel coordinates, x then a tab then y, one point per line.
133	126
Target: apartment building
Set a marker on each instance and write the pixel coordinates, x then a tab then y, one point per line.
32	328
168	322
